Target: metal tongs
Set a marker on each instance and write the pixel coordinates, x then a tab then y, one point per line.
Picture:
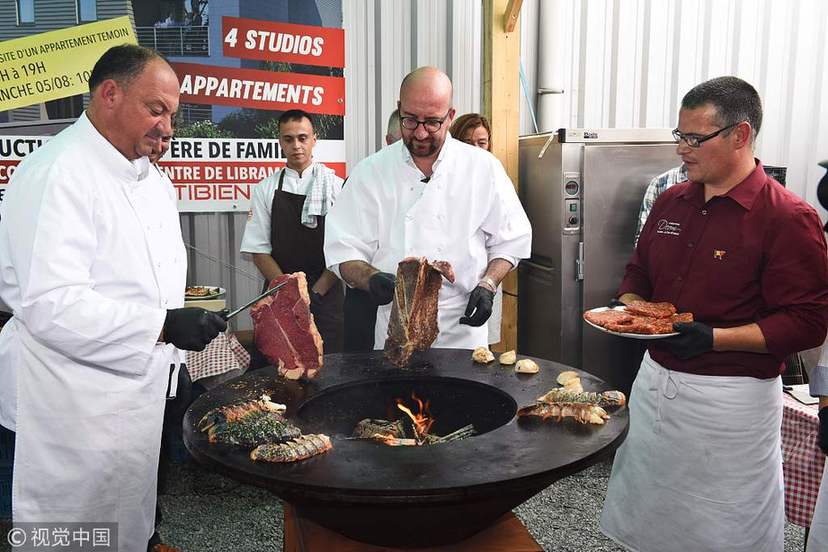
227	315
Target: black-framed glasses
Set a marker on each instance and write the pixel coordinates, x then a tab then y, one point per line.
694	140
431	125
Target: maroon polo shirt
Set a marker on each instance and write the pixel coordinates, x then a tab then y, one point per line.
755	254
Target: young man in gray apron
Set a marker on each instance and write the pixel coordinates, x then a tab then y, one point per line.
701	467
286	225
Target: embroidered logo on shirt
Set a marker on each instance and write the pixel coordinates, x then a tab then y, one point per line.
665	226
719	254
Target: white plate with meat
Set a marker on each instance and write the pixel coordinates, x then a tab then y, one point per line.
622	322
195	293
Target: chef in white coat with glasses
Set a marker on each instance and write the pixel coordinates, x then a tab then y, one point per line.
93	266
433	196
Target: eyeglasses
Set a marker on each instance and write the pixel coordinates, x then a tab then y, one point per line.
694	140
431	125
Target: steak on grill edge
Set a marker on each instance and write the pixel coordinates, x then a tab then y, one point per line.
413	323
285	331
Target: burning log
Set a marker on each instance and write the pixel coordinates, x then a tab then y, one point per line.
462	433
393	434
372	429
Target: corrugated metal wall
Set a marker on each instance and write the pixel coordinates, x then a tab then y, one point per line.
628	63
623	63
385	39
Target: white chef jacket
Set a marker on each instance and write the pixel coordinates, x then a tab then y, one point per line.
467	214
91	257
256	237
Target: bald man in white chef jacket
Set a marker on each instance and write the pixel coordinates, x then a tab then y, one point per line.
433	196
93	265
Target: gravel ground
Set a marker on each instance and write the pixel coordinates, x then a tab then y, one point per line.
204	512
231	516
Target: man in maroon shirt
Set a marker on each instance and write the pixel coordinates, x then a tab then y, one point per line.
701	466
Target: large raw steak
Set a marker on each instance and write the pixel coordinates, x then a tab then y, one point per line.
413	323
285	331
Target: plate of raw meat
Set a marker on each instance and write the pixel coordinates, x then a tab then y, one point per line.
637	320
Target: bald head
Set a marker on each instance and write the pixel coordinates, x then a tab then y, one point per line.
425	113
427	82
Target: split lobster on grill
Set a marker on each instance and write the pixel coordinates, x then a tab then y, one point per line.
248	424
584	407
297	449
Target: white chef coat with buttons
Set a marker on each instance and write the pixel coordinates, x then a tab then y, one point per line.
256	237
467	214
91	258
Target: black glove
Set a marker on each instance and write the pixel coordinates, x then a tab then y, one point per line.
315	299
381	287
695	339
480	302
822	436
614	302
192	328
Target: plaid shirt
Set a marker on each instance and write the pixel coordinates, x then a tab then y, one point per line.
818	383
656	187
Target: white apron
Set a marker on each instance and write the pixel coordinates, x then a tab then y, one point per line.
91	257
818	534
701	467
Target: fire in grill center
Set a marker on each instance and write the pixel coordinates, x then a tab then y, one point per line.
408	411
393	433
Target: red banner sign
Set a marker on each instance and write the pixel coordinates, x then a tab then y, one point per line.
239	172
214	85
272	41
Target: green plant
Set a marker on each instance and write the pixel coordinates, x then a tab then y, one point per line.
202	129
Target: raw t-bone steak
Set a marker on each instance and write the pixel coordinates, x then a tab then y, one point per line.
413	323
285	331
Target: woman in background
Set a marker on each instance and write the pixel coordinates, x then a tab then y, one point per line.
474	129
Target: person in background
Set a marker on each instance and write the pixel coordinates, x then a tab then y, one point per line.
655	188
93	265
393	132
286	224
360	309
474	129
818	384
403	201
701	467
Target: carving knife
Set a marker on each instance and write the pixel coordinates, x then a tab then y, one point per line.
227	315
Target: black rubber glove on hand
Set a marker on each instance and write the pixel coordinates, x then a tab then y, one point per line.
615	303
381	287
822	436
315	299
480	302
192	328
695	339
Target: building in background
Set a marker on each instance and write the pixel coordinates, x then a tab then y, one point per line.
19	18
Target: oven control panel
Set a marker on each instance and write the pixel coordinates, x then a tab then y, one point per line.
571	216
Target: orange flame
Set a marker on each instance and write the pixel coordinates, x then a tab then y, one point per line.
422	419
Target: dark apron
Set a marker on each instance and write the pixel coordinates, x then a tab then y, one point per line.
295	247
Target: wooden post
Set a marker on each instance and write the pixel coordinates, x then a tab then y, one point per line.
501	105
